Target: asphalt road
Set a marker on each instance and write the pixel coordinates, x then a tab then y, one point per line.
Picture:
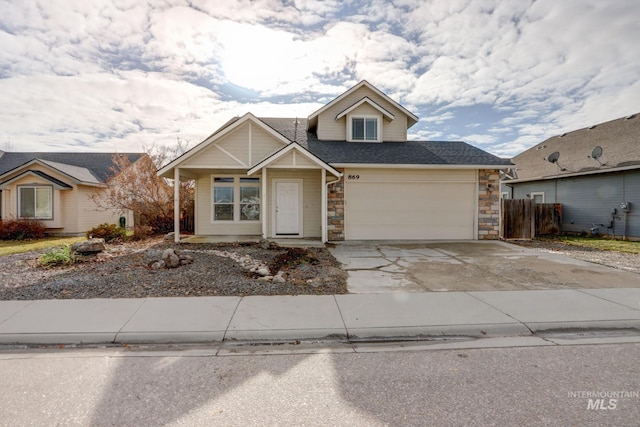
552	385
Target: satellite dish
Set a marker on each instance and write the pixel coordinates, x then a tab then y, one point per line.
553	157
596	153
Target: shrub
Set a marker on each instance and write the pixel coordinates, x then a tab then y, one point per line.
57	256
141	232
21	229
108	232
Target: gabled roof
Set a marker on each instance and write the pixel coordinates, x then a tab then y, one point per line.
57	184
223	130
365	100
619	142
297	147
411	118
89	168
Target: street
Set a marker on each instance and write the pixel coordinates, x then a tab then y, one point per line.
384	385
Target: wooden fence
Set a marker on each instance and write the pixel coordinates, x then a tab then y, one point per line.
524	219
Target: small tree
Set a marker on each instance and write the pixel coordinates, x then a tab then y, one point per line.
136	187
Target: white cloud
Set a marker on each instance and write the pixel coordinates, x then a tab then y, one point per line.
112	73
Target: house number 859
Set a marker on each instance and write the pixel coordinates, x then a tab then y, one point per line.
353	177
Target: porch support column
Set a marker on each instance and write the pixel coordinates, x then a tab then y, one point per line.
263	207
323	209
176	204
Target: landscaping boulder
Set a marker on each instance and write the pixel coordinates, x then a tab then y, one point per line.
91	246
170	258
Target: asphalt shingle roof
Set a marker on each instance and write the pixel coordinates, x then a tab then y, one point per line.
392	153
85	167
619	140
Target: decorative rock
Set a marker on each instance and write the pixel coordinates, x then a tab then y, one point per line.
279	278
91	246
265	244
265	279
262	272
157	265
170	258
170	236
185	259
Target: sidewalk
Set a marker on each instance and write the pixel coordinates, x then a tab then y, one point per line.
350	317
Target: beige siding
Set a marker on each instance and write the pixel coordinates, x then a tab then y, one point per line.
311	197
263	144
242	147
89	215
409	175
204	224
293	159
331	129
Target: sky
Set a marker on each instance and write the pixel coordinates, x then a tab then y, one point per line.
124	75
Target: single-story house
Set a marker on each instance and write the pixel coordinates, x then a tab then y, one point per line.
593	172
347	172
55	187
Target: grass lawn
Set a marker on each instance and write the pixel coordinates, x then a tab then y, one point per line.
9	247
597	243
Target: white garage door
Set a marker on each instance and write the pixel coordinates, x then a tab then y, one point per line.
405	204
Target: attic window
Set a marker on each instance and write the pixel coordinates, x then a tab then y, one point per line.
364	128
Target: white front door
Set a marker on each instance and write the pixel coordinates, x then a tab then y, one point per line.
287	208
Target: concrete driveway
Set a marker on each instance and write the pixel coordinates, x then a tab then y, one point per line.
409	266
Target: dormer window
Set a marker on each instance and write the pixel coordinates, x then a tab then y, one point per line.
364	128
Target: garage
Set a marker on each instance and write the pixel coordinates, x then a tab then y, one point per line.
409	204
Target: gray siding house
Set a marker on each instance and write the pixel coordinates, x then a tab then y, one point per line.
593	172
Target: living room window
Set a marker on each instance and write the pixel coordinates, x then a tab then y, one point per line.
35	202
364	128
236	198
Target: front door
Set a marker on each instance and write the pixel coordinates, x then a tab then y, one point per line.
287	208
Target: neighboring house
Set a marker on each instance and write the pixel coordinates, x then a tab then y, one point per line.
347	172
55	187
593	172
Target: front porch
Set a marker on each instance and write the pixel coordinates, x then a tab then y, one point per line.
285	243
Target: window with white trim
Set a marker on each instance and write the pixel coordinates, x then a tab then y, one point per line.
364	128
538	197
35	201
236	198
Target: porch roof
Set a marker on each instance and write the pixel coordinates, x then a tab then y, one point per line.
294	146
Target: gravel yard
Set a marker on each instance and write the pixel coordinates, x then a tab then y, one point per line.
123	271
620	260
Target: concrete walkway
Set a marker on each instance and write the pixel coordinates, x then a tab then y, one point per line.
350	317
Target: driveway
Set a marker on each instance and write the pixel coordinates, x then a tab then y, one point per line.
409	266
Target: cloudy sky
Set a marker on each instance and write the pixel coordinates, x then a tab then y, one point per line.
99	75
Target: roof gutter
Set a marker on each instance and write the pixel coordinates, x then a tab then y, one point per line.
571	175
409	166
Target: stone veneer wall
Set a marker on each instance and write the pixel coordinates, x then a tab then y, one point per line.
335	211
488	204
